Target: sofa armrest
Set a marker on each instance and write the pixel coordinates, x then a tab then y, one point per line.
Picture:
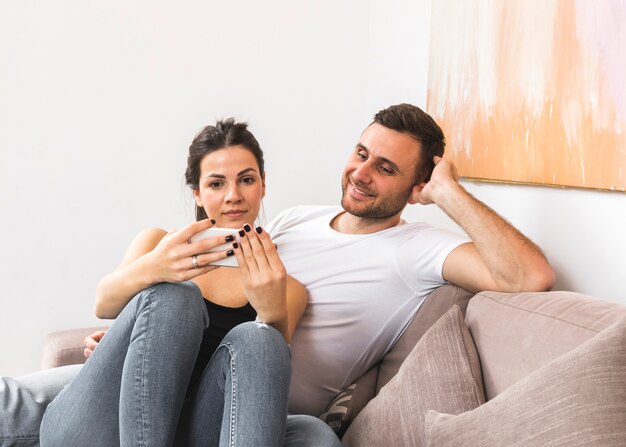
66	347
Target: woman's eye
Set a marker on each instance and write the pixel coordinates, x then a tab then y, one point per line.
215	185
247	180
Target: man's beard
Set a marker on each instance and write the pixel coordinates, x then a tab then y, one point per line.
377	211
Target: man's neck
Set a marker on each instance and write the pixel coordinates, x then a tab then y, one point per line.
350	224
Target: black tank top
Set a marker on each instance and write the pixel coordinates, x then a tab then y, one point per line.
221	320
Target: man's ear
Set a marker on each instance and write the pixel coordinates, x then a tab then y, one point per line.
416	190
196	195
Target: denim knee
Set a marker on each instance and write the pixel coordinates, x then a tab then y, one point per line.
304	430
180	301
258	339
253	334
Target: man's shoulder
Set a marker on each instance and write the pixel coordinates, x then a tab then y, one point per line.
300	214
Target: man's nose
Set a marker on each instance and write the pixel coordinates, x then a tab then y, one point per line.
363	173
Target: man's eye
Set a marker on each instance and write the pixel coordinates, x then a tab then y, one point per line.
386	170
361	156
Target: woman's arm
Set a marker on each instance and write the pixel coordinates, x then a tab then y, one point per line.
134	274
297	299
156	256
278	299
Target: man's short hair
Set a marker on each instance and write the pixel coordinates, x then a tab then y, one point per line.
413	121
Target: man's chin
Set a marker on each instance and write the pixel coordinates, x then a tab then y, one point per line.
368	212
358	211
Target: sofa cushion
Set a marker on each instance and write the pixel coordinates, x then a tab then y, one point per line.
578	399
517	333
442	372
346	406
436	304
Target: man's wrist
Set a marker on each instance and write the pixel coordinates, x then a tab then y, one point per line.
445	195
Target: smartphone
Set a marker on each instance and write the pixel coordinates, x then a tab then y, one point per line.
231	261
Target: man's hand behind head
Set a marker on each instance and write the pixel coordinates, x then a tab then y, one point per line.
443	178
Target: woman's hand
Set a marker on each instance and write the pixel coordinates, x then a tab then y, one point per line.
264	277
91	342
175	259
155	256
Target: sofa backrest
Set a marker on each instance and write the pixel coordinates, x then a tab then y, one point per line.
517	333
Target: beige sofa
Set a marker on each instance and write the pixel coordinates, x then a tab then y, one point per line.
528	369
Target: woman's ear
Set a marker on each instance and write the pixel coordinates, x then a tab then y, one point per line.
263	183
196	195
416	190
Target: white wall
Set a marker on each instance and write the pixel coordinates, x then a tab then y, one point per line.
99	101
581	231
98	104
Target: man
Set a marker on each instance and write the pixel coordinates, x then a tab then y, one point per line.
367	271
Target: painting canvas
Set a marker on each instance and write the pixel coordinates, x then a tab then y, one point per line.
532	91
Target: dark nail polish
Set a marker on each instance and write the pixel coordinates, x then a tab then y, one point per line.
247	228
259	230
230	238
235	245
242	233
213	221
230	253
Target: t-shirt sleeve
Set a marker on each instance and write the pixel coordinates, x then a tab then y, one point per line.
421	257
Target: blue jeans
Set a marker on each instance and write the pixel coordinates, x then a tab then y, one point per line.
23	402
132	389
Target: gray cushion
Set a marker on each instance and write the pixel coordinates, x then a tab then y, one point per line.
346	406
441	372
436	304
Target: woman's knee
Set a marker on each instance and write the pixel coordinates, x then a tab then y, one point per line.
305	430
182	302
259	340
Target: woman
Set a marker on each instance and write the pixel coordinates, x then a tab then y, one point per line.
140	387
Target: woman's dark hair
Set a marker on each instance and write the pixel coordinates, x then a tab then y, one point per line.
413	121
225	133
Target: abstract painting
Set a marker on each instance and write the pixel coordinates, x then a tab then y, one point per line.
532	91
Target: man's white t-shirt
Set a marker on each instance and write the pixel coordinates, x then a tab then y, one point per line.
364	289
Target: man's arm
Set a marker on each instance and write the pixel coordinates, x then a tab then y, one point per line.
500	257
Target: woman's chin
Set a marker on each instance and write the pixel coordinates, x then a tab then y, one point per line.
233	223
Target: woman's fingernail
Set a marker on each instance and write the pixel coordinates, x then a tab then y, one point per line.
230	253
235	245
247	228
259	230
213	221
230	238
242	233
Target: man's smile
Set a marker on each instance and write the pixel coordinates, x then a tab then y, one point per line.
359	192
